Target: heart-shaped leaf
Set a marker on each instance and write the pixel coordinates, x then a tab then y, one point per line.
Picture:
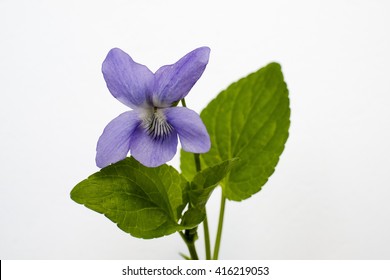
145	202
249	120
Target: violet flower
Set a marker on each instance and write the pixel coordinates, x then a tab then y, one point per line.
150	130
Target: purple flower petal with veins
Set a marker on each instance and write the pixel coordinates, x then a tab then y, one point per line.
151	129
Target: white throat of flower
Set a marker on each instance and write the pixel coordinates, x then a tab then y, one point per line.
155	123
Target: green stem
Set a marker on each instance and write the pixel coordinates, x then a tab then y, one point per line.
207	238
205	222
197	162
220	225
189	239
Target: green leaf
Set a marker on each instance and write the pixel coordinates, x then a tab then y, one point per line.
145	202
206	180
193	217
200	190
248	120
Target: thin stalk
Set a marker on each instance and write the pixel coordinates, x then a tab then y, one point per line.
197	162
191	245
205	222
190	242
207	238
220	225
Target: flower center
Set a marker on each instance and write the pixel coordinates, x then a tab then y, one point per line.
156	125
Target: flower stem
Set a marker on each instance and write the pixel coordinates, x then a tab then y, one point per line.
205	222
207	238
197	163
189	238
220	224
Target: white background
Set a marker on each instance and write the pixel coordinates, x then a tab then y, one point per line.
329	197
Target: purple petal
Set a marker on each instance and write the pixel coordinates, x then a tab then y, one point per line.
173	82
150	152
192	132
114	143
129	82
